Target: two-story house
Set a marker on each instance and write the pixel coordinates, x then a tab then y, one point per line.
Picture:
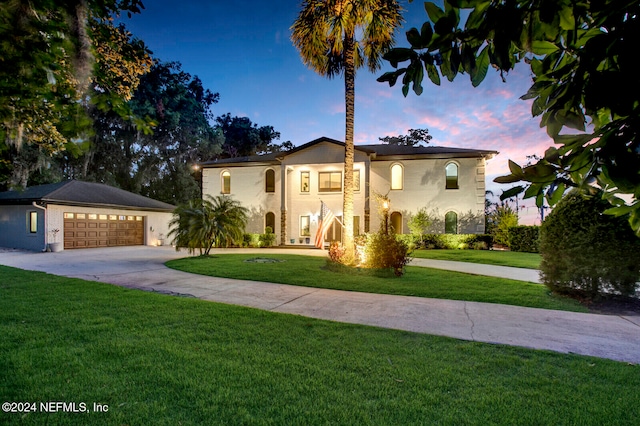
285	190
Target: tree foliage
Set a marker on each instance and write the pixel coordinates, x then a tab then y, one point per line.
499	220
582	56
244	138
338	37
203	224
587	253
46	67
416	137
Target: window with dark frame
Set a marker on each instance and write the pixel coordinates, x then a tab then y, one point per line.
451	172
226	183
270	181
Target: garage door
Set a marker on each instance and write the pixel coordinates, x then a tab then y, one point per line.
87	230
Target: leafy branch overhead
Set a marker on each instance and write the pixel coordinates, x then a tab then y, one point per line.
585	88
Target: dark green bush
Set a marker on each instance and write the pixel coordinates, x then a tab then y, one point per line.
268	238
524	238
385	251
587	253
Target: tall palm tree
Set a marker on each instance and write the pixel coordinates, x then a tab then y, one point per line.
338	37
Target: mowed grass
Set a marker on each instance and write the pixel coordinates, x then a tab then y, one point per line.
311	271
491	257
165	360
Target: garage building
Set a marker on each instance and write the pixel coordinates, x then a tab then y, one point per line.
75	215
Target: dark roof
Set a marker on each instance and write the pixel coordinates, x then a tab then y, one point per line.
386	150
77	193
380	152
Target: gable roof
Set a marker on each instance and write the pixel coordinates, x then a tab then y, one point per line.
89	194
376	152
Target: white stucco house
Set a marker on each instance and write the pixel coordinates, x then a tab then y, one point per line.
75	214
285	190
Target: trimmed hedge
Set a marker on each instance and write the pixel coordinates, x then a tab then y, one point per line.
524	238
586	252
449	241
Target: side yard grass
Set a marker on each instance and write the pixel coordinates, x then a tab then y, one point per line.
491	257
422	282
165	360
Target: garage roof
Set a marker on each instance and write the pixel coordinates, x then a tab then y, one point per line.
88	194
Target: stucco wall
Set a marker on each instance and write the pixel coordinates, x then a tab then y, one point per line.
425	187
14	228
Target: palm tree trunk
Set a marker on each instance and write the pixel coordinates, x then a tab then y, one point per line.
349	95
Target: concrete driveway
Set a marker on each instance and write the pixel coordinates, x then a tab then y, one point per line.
604	336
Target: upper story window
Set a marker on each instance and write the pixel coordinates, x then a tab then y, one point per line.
451	172
305	181
270	181
330	181
226	183
397	176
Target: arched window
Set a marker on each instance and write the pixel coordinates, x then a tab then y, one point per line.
451	223
270	181
226	183
396	222
270	221
451	172
397	177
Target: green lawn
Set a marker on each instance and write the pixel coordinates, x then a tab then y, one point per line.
165	360
491	257
422	282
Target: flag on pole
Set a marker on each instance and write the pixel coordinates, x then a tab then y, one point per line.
325	221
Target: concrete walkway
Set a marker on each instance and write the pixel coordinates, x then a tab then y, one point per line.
613	337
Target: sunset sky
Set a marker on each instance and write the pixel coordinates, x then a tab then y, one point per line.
243	51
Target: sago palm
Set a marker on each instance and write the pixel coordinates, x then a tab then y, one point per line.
338	37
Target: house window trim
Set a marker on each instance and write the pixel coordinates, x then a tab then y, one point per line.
329	190
391	181
222	183
308	232
266	181
457	230
266	222
32	222
308	173
446	179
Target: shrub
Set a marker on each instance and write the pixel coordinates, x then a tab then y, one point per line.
385	251
456	241
336	252
524	238
499	221
268	238
250	240
587	253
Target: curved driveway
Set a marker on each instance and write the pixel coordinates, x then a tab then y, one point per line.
605	336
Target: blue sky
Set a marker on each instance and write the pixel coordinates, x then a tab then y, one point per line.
243	51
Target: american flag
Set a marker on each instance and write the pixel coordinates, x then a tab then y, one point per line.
326	219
